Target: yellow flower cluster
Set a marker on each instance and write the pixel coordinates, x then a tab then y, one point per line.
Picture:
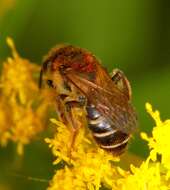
89	167
159	143
22	106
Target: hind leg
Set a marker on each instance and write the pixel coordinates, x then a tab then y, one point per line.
121	82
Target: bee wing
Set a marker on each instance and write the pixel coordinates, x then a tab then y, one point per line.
108	99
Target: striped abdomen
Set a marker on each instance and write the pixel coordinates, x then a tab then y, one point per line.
105	135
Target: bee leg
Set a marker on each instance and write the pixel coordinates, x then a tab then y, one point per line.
122	82
60	109
64	111
66	108
74	131
73	122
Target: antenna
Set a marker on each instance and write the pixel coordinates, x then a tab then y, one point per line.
40	78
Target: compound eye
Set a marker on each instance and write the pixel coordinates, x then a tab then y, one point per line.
50	83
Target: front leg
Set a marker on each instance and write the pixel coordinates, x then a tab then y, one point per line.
66	107
74	116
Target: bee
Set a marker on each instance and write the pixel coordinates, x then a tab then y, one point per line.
80	81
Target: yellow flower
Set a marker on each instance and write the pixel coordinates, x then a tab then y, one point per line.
26	125
17	77
89	167
152	174
5	122
147	177
159	142
23	107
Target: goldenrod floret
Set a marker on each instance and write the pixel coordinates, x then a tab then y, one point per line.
88	165
26	124
147	176
5	122
159	143
17	77
22	108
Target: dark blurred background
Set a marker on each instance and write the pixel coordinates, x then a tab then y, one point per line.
131	35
